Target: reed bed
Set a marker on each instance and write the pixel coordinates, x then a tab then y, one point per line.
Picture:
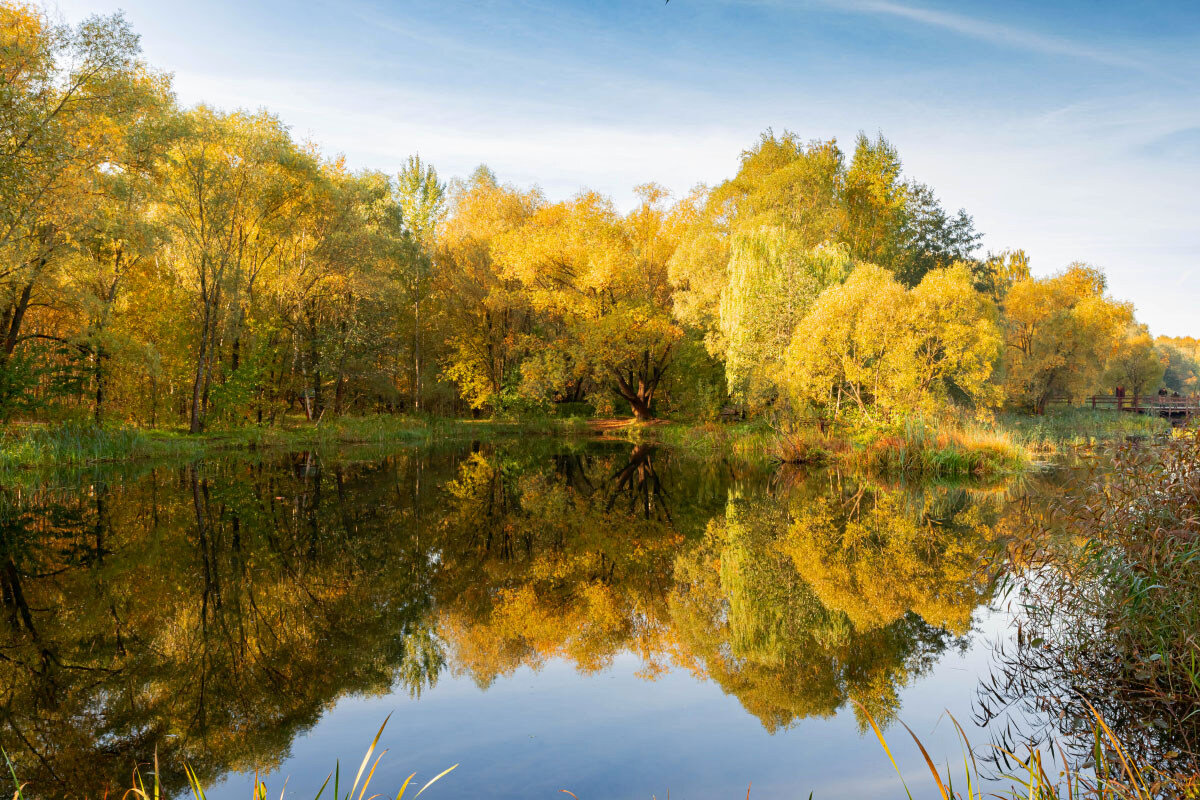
1111	773
1068	428
1113	584
913	447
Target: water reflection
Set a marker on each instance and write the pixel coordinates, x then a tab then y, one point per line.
214	611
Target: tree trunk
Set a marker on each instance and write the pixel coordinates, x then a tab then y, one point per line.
99	385
15	316
641	409
417	356
196	423
638	388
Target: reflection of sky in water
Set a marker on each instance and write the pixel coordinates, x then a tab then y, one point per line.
614	735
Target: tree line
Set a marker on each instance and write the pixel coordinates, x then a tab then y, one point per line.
165	265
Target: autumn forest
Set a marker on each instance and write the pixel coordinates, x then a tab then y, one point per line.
164	266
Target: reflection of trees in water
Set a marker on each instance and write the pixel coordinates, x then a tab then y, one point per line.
207	613
568	557
793	603
798	603
1044	686
213	612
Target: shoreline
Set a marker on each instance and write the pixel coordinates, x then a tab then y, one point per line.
1009	445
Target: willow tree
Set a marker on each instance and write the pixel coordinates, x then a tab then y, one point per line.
782	183
772	283
815	195
745	616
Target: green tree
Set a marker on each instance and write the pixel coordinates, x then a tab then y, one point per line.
772	285
1182	372
226	183
68	98
422	203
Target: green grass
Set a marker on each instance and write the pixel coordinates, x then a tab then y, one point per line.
946	448
921	448
911	447
745	441
74	445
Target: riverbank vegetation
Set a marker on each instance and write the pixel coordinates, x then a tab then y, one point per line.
163	267
1109	605
81	444
935	449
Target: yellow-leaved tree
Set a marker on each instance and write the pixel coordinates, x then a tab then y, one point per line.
772	283
871	345
1060	333
1183	363
486	309
1138	365
598	284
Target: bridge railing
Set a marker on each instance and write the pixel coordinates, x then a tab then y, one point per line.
1164	404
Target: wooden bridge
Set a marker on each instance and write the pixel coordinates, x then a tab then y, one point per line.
1175	408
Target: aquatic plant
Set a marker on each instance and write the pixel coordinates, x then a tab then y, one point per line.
1111	774
1110	604
149	787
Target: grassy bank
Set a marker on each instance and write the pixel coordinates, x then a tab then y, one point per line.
911	447
945	448
34	446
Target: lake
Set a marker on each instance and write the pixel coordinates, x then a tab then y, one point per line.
612	620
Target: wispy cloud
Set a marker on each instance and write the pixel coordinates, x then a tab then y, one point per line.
993	32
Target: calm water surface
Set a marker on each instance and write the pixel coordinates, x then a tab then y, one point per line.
612	620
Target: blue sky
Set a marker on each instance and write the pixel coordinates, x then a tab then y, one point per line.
1071	129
